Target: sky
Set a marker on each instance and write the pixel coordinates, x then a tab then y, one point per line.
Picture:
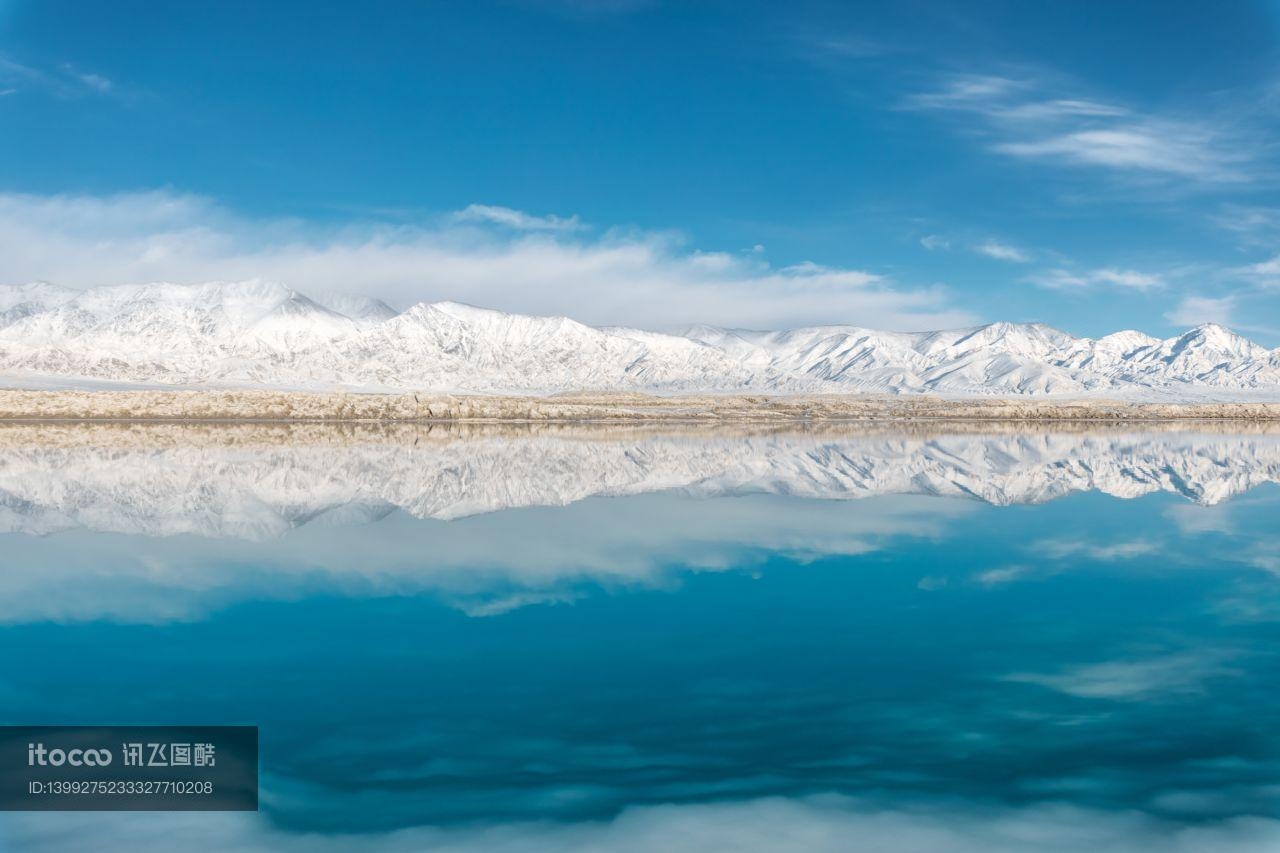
901	165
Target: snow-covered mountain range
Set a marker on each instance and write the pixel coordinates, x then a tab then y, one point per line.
258	334
255	483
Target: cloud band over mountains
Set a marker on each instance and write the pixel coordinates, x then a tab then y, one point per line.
484	254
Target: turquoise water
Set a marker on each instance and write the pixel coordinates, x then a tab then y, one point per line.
789	660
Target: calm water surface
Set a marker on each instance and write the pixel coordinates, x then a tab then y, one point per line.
912	639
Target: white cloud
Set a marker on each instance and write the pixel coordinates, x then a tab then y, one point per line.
1253	226
1059	549
481	564
1027	119
517	219
1264	273
1197	310
816	824
1127	278
1184	151
1056	109
1139	678
971	92
1061	279
65	81
1002	252
935	243
618	277
844	46
1003	575
1197	520
96	82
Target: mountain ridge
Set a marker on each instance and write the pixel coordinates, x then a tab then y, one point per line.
263	334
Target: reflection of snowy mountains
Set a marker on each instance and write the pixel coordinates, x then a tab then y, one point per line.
254	334
256	489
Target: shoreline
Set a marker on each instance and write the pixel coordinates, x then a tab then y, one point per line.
249	435
209	406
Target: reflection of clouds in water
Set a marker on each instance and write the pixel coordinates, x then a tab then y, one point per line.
1062	549
1233	540
485	564
259	485
350	512
1050	557
1250	600
769	825
1199	520
1226	519
1265	556
1231	531
1005	574
869	687
1138	678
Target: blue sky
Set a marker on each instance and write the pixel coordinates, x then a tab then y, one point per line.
1091	165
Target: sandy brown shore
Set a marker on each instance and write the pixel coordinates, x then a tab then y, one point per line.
267	406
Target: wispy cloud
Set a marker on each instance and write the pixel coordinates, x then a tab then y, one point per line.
1026	119
853	46
516	219
1062	279
62	81
1172	149
491	256
1127	278
1053	556
1059	549
823	48
1136	678
971	92
1002	252
1196	310
935	243
1263	273
1252	225
96	82
1004	574
1058	109
1233	310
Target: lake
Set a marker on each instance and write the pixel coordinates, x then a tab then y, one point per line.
894	638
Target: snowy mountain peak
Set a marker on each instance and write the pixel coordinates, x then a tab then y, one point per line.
35	293
254	333
473	315
359	308
1127	341
22	300
1218	337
